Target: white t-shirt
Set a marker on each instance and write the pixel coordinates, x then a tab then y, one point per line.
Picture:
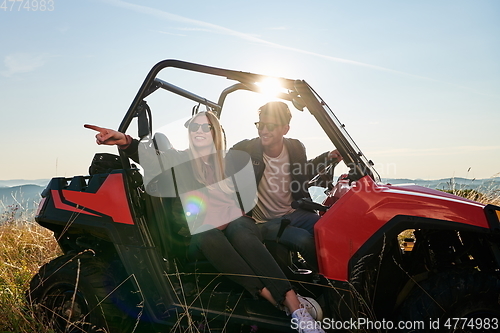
275	196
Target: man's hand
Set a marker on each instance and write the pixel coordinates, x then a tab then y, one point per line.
108	136
334	154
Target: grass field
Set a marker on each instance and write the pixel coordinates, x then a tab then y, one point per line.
25	246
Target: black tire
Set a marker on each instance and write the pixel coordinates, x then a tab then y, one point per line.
470	296
75	294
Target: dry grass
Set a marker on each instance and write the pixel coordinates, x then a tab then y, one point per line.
24	247
485	194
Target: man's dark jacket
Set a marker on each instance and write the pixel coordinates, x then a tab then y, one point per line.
301	169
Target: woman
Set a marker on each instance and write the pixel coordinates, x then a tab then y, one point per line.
234	248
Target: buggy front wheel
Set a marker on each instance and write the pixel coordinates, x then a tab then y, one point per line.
75	294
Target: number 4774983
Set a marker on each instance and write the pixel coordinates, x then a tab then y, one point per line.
27	5
472	323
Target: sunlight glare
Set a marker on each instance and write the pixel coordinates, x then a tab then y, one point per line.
270	87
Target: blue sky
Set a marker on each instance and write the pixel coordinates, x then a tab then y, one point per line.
417	83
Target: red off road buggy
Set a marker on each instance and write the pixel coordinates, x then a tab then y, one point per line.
124	267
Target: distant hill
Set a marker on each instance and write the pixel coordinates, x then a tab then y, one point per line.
25	196
490	184
482	185
23	193
18	182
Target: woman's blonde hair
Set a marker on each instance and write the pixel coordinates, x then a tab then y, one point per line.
217	158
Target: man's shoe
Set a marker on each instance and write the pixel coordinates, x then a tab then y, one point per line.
311	306
304	323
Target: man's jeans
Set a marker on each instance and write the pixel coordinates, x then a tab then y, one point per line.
298	236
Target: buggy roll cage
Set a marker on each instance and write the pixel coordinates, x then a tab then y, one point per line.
298	92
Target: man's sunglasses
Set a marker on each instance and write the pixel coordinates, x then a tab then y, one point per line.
270	126
193	127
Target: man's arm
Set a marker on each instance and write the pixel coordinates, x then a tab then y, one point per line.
320	161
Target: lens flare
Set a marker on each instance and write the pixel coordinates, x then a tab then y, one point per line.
194	205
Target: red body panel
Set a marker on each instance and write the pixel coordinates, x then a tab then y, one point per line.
59	204
367	206
110	200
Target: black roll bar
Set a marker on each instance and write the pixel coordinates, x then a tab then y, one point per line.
184	93
150	83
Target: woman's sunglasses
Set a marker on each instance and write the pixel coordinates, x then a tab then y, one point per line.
193	127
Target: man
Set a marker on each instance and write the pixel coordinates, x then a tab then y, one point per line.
282	173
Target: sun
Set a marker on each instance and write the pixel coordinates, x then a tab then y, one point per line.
270	87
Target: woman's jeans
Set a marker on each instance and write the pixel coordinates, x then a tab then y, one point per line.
238	251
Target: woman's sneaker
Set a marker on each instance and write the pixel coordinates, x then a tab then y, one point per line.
311	306
303	322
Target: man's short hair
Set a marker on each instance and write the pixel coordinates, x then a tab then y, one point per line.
277	109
